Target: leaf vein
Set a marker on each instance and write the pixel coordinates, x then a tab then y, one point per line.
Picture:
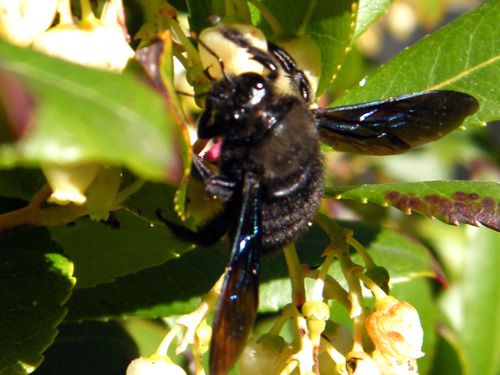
463	74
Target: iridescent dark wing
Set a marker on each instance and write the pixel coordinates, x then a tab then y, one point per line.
394	125
238	301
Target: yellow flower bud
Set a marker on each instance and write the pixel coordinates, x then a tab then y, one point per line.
203	334
392	366
93	45
68	183
316	313
316	309
22	20
236	59
395	329
264	355
154	366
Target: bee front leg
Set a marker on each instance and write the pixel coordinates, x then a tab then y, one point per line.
216	184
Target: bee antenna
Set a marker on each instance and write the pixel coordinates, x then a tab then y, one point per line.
219	60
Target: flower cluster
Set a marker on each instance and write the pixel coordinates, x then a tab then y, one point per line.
395	330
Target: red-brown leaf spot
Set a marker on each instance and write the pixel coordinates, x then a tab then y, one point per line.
468	208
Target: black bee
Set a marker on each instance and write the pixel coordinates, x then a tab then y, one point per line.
270	168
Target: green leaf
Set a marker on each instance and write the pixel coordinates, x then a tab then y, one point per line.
369	11
103	252
169	289
35	281
448	359
453	202
97	348
174	288
331	26
72	114
480	327
470	303
462	56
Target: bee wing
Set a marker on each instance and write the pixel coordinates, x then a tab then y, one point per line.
238	300
394	125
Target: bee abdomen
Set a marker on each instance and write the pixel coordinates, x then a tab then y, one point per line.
284	218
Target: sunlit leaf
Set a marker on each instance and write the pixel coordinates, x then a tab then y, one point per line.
453	202
449	355
369	11
462	56
78	115
128	245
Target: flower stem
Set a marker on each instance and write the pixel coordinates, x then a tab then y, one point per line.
332	289
167	340
307	18
372	285
361	250
190	49
296	275
287	313
87	14
317	291
357	313
64	9
337	357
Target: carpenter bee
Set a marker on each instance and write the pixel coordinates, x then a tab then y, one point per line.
270	168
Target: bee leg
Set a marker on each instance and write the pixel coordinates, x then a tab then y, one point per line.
207	235
216	184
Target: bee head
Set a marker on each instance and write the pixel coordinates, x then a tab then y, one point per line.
233	104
